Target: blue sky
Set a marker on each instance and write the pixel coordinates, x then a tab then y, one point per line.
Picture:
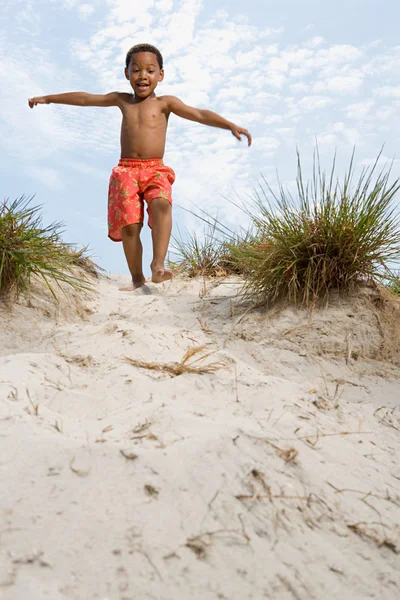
291	72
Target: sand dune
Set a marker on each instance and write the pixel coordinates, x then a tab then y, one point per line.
273	474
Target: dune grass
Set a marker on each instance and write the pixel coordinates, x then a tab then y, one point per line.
28	248
196	255
393	283
210	253
331	234
200	255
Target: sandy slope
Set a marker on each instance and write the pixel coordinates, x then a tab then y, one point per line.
276	476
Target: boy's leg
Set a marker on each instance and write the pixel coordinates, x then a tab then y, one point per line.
161	215
133	253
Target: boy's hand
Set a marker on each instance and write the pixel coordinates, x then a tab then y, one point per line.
37	100
238	131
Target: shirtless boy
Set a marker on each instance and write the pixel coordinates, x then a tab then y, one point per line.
141	173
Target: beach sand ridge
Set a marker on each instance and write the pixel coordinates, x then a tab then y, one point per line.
176	444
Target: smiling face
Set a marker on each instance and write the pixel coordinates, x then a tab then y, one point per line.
144	74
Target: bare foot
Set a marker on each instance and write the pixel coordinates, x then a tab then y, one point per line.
136	283
160	275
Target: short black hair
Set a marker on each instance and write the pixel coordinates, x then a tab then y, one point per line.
144	48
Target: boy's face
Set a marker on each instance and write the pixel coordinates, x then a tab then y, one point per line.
144	74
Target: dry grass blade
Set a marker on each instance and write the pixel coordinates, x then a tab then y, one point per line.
388	416
190	352
394	499
129	454
369	533
175	369
252	497
151	490
266	491
82	259
319	435
288	454
199	544
34	405
141	427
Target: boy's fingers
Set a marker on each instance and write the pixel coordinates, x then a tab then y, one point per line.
237	134
247	134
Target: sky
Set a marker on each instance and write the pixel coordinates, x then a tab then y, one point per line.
292	72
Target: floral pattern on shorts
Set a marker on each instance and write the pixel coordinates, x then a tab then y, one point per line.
132	182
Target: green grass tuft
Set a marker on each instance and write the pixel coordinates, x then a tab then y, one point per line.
198	256
393	283
210	254
332	235
27	248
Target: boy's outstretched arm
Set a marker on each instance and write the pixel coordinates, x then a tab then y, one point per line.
206	117
77	99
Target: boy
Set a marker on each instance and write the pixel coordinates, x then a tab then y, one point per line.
141	173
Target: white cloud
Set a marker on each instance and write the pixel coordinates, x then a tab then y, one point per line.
342	54
307	104
339	134
286	132
275	80
376	43
388	91
247	59
85	10
325	139
373	115
315	42
333	61
270	119
270	31
164	6
341	84
310	103
270	50
125	10
299	87
386	62
266	143
69	4
28	133
383	113
360	110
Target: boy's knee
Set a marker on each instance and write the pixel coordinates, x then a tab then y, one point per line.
132	230
160	204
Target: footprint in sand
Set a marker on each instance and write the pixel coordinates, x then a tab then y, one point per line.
145	290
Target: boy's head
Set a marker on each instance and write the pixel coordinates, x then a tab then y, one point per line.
144	69
145	48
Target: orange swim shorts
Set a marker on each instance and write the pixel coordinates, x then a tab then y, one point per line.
131	182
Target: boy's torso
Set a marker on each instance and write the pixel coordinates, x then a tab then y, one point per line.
144	127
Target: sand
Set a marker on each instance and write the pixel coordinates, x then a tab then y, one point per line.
271	472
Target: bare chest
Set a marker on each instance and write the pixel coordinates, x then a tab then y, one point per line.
144	114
